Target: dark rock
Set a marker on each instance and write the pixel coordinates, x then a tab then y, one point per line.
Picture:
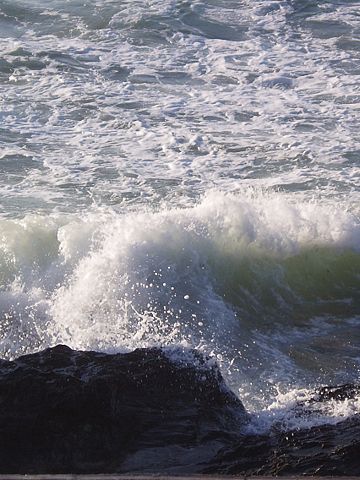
342	392
326	449
64	411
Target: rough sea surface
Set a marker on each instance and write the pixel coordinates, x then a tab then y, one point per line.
186	173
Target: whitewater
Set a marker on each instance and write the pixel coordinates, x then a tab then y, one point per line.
186	174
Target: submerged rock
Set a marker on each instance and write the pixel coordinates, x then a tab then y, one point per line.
64	411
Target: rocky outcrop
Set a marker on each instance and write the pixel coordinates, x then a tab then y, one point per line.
80	412
326	449
154	411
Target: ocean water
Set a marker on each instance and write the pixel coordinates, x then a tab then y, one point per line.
186	173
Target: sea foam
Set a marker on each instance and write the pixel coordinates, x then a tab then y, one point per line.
249	278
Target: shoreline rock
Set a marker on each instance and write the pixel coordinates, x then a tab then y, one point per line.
321	450
67	411
64	411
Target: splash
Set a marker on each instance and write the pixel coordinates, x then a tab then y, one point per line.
258	281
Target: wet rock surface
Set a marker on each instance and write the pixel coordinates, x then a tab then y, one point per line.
326	449
87	412
64	411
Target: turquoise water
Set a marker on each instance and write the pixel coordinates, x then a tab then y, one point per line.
184	173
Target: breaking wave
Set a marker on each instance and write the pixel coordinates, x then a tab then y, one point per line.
267	285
